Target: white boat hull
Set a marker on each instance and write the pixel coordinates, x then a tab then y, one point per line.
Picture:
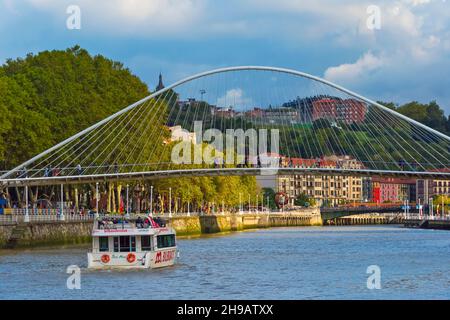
141	260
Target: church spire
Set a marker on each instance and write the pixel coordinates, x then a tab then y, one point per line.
160	83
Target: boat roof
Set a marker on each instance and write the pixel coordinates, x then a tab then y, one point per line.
111	232
131	217
118	225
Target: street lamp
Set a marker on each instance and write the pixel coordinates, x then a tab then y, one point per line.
170	201
96	199
61	217
430	206
27	215
127	210
151	201
240	203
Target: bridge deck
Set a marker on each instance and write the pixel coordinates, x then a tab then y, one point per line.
80	179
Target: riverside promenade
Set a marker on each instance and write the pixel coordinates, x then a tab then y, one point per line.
52	230
44	230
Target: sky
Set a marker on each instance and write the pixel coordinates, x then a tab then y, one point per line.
385	50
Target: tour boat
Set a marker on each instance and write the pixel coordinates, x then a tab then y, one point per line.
138	242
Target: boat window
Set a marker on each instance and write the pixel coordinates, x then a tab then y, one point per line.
165	241
103	244
116	244
125	244
133	243
146	243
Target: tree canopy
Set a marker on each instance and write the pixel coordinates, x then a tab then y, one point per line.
47	97
50	96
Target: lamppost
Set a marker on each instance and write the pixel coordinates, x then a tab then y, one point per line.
240	203
405	212
96	199
61	216
420	209
128	204
27	215
170	201
430	206
151	201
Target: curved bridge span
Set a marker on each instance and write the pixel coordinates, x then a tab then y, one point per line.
312	117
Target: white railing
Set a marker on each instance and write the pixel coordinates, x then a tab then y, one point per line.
41	212
19	218
218	212
427	217
48	215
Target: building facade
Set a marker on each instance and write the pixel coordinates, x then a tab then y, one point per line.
428	188
326	190
392	190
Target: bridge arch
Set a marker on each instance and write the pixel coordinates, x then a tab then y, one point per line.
428	135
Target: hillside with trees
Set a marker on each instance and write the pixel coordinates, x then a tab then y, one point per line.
50	96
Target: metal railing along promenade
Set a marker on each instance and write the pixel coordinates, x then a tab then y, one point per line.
10	219
18	215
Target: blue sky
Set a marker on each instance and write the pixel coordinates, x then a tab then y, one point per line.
407	58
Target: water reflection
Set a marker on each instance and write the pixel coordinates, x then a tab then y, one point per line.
279	263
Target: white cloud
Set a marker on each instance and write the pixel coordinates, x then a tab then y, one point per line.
351	72
234	98
414	38
416	2
136	17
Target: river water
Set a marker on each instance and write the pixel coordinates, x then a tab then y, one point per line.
278	263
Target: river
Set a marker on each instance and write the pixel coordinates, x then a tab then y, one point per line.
278	263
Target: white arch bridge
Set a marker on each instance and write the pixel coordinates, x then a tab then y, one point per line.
321	128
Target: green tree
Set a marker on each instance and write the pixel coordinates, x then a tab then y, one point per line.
50	96
269	195
303	200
